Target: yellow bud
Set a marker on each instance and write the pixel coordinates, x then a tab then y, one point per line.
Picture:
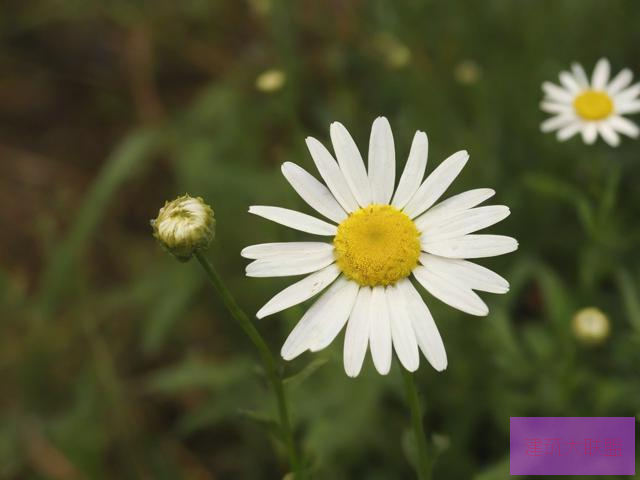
392	51
271	80
467	72
590	325
184	226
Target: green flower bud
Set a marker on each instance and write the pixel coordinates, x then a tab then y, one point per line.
184	226
590	325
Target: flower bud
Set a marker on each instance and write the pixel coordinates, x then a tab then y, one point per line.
271	80
184	226
392	51
467	72
590	325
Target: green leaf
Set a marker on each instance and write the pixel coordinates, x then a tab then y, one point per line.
124	162
497	471
194	373
210	413
167	309
410	448
557	304
552	187
629	293
265	421
297	378
608	201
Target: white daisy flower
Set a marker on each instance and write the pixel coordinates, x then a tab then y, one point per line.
379	239
591	107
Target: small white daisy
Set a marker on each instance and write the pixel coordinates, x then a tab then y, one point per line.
379	240
594	107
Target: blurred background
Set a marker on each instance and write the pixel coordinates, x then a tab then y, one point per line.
117	362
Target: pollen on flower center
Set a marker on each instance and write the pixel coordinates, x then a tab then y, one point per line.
377	245
593	105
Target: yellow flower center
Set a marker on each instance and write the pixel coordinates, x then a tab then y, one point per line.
377	245
593	105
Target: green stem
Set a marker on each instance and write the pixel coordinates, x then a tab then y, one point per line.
411	392
265	354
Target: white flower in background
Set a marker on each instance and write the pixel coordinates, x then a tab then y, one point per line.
378	240
592	107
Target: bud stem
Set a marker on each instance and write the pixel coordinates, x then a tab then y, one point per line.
265	354
411	392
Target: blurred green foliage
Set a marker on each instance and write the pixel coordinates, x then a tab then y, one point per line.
117	362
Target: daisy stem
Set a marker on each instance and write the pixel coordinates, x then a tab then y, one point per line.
265	354
411	392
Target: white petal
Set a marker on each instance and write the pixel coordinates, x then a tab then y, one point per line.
608	134
296	220
628	107
436	183
627	95
590	133
382	161
558	121
329	305
413	170
380	331
300	291
569	82
313	192
556	93
404	338
427	335
453	294
467	221
472	246
621	81
600	75
331	174
331	325
351	163
569	131
356	337
553	107
290	265
282	249
580	75
453	205
624	126
466	273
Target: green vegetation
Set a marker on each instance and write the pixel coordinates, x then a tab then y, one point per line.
119	362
